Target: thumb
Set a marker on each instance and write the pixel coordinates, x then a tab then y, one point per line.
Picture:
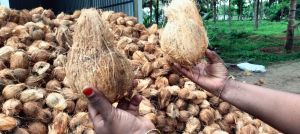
99	102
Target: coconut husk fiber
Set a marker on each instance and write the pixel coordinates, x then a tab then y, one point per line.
184	37
93	61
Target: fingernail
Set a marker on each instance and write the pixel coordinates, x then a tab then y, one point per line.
88	91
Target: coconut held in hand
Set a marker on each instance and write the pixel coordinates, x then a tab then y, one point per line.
184	38
93	60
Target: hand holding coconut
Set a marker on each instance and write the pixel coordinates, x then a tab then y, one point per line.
123	119
210	76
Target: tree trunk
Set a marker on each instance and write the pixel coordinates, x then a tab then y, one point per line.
261	10
224	13
150	6
157	11
215	10
229	11
290	27
256	10
271	2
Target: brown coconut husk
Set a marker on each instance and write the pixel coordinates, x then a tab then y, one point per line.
94	61
184	38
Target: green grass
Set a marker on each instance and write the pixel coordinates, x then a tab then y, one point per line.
240	42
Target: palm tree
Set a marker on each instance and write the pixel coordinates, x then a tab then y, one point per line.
290	27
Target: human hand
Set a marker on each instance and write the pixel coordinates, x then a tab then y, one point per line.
124	119
210	76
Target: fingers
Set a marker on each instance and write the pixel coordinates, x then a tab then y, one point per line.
213	57
134	105
123	104
182	70
99	102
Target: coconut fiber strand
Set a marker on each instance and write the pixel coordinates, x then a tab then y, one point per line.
184	37
93	61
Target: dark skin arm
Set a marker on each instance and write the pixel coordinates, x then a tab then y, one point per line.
279	109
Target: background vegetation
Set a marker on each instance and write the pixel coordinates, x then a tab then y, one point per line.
255	31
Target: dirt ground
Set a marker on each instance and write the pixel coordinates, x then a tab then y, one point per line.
281	76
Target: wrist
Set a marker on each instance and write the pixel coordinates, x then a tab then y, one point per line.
228	87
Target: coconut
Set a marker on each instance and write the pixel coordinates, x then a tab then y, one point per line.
97	53
11	91
193	109
193	124
184	38
161	120
205	104
32	95
81	105
173	79
40	55
41	67
53	85
35	81
31	108
248	129
184	115
172	111
5	52
70	107
230	118
37	128
56	101
80	119
224	107
146	107
211	128
147	68
20	74
161	82
200	96
69	94
207	115
151	117
181	104
12	107
60	60
20	131
7	123
60	124
164	97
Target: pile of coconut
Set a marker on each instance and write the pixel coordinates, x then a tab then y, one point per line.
47	59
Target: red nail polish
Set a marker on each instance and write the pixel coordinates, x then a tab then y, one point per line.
87	91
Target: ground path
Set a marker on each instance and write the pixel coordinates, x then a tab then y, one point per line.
282	76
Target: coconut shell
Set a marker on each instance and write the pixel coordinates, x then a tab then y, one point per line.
53	85
184	115
173	79
146	107
37	128
7	123
30	109
69	94
109	71
248	129
40	55
60	60
35	81
80	119
12	107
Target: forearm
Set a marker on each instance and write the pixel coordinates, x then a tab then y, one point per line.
277	108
